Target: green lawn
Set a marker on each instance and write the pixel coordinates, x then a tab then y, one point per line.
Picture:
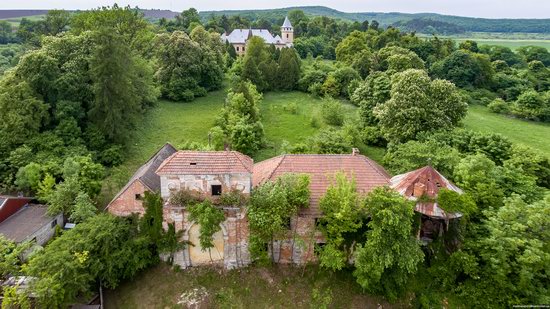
252	287
533	134
179	123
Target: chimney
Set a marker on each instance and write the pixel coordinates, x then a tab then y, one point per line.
354	151
419	189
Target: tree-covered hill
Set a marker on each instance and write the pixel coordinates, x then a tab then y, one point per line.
448	24
386	19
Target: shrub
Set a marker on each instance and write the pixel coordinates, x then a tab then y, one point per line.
291	108
332	112
499	106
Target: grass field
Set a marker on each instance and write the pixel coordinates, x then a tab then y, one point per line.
180	123
253	287
533	134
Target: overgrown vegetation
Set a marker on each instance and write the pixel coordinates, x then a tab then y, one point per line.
73	93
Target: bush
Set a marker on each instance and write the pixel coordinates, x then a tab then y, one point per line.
291	108
499	106
373	136
332	112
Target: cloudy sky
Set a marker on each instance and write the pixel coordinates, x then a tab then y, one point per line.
475	8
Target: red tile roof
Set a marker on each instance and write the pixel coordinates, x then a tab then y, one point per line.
322	168
427	181
206	162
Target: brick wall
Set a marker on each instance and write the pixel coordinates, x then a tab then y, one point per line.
127	203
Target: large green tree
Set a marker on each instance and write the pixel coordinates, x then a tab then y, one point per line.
391	254
418	105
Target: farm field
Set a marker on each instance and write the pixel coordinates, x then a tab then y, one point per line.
510	43
252	287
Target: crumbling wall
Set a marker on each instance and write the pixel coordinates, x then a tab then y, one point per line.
235	236
128	202
203	183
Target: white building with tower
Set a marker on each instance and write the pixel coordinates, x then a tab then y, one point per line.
239	37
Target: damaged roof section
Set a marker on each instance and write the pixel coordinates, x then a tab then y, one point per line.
425	183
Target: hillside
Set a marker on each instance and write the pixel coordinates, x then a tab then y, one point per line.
387	19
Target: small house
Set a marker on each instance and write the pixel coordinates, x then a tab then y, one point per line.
24	221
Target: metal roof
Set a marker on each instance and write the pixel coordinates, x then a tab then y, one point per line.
25	222
428	181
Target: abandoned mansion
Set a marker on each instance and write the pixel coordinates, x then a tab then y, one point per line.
213	173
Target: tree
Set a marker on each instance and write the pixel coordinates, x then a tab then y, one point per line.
240	118
22	115
116	106
271	206
258	66
209	218
465	69
478	175
332	112
187	18
374	91
531	53
391	254
509	263
180	67
351	46
288	71
418	105
531	105
11	256
104	248
84	208
342	215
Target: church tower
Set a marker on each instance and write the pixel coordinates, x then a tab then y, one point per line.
287	32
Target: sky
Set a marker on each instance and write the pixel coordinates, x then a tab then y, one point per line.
473	8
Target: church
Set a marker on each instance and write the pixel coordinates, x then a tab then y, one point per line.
239	37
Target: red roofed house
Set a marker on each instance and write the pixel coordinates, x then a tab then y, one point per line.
422	185
209	173
212	173
322	170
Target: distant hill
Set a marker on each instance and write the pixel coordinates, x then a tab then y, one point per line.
5	14
421	22
469	24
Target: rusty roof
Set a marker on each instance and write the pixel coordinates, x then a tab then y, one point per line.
428	181
206	162
322	168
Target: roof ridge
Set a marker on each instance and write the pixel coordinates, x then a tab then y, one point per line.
375	167
237	155
278	165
